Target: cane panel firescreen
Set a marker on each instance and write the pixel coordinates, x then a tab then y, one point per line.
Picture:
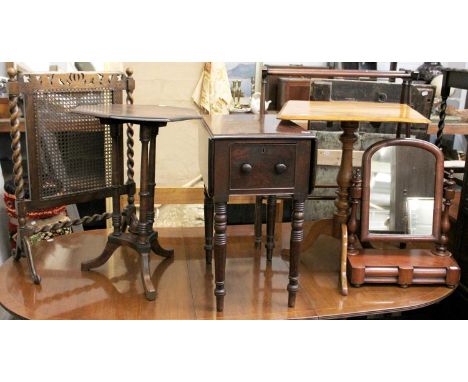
69	155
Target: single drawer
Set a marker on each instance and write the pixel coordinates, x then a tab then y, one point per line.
262	166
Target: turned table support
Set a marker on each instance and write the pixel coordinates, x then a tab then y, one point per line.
144	239
345	174
145	195
140	235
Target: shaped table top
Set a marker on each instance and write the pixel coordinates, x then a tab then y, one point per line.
138	113
252	126
350	111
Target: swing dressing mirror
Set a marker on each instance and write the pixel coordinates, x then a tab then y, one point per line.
402	191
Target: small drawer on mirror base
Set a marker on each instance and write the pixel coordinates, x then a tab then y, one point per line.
404	267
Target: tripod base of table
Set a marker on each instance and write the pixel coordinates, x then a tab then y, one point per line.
144	249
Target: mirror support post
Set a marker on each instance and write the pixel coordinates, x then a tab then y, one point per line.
449	194
356	193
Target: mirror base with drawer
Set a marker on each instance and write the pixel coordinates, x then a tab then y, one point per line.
402	267
404	204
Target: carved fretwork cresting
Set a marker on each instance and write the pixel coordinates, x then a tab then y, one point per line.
46	81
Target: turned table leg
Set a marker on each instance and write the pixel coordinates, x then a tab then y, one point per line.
116	177
142	228
116	215
154	242
220	241
151	178
271	214
258	221
297	235
208	214
345	174
145	208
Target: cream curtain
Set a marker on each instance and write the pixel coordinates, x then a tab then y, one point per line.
213	92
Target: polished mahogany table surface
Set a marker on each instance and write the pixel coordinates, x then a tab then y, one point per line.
139	113
185	284
350	111
251	126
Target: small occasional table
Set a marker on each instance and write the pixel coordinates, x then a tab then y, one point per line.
253	155
140	236
349	114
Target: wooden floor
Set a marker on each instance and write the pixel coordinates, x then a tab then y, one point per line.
255	290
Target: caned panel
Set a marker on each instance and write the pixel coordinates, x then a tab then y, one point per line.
73	151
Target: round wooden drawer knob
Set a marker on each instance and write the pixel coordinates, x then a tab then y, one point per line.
280	168
246	168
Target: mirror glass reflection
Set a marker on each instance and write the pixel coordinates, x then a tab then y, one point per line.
402	191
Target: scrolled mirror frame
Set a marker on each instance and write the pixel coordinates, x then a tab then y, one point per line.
438	191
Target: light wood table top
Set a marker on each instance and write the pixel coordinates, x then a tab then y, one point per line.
350	111
185	284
